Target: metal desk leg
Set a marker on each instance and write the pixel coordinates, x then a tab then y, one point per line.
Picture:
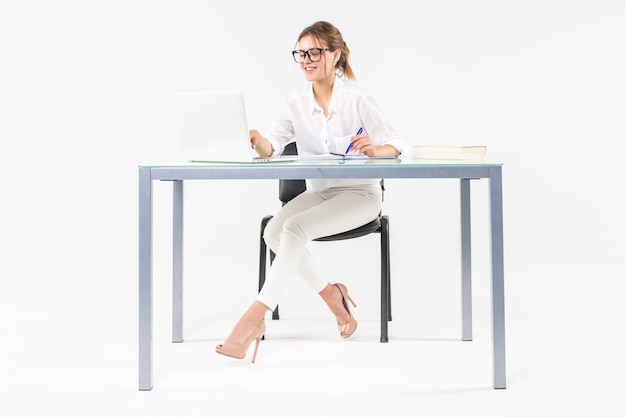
466	261
177	262
497	278
145	279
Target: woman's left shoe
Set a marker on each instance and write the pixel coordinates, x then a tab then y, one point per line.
346	330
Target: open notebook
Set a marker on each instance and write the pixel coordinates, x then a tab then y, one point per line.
212	127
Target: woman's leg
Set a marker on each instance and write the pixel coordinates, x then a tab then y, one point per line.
256	312
305	218
275	239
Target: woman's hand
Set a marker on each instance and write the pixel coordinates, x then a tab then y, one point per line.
363	144
260	144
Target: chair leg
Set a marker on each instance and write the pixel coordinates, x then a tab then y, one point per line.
385	281
263	253
388	265
275	315
263	261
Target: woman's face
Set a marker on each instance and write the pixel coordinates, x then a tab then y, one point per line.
321	69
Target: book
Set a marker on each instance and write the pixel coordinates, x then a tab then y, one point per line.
474	153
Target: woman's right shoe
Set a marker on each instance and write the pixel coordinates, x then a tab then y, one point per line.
239	350
346	330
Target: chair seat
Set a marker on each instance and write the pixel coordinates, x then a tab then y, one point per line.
366	229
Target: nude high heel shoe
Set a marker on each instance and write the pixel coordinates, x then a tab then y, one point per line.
239	350
346	330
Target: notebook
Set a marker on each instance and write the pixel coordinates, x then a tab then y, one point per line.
212	127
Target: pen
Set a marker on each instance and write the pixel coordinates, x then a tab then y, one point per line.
352	143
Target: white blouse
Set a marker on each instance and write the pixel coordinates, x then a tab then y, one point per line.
350	109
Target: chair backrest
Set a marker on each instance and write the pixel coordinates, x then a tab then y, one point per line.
288	189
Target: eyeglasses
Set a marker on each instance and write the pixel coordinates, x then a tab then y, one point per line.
314	54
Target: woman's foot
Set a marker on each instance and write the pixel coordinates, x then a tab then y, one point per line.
335	296
250	327
238	350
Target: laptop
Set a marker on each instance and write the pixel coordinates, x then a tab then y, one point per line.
212	127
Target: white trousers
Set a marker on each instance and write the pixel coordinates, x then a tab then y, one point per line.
307	217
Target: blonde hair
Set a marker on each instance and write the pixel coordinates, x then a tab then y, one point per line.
329	34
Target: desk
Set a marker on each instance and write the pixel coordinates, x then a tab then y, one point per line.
297	170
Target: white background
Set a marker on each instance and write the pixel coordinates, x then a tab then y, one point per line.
85	97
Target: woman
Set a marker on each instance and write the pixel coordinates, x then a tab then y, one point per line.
330	115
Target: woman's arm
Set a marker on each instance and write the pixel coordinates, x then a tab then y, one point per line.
260	144
388	141
363	144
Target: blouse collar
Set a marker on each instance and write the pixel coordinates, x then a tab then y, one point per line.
335	101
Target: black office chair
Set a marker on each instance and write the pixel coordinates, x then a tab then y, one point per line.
288	189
